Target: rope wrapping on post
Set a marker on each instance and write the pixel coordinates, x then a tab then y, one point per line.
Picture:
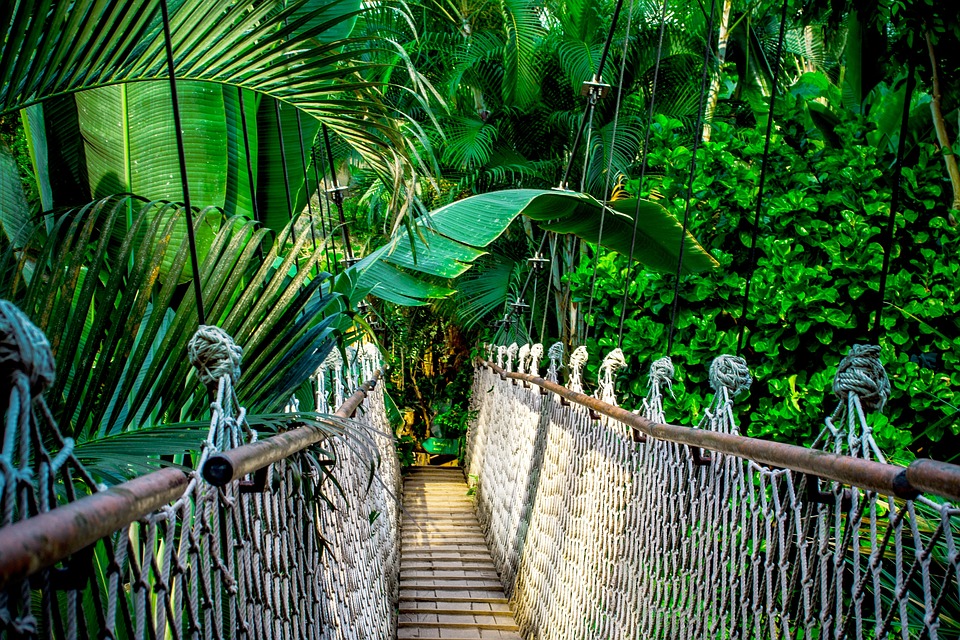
597	536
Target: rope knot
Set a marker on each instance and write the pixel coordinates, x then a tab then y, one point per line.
612	362
511	354
24	348
523	357
730	373
214	353
577	359
536	354
661	371
861	372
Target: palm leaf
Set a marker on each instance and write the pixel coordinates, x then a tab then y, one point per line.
457	231
123	308
265	47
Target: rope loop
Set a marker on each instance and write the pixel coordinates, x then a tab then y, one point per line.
536	354
555	353
24	348
523	357
577	359
730	373
214	353
662	371
861	373
511	354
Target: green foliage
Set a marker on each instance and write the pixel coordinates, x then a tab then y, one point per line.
814	293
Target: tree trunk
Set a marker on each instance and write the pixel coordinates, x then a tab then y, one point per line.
943	136
714	93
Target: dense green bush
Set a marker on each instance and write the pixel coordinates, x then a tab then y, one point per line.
816	285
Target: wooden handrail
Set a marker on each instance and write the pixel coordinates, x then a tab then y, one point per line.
938	478
47	538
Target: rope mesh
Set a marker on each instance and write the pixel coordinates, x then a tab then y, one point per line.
596	536
216	563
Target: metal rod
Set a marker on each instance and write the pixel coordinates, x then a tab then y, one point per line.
338	199
928	476
191	239
41	541
227	466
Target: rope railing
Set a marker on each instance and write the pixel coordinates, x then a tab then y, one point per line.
294	553
48	538
605	523
923	475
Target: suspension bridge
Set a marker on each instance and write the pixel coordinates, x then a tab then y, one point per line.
586	520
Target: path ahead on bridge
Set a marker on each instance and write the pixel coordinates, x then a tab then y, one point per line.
449	587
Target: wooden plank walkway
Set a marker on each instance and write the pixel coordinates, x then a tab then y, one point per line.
449	587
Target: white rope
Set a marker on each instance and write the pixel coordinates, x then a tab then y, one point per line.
216	563
598	537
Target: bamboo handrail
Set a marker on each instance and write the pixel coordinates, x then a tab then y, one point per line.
930	476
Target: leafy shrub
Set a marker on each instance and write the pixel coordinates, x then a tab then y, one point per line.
815	288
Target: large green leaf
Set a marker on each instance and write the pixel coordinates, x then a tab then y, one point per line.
130	141
293	52
455	232
120	336
14	212
282	168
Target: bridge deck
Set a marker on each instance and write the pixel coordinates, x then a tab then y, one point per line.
449	587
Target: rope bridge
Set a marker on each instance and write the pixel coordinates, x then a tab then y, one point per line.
606	524
205	553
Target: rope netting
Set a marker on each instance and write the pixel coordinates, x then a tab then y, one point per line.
234	562
599	536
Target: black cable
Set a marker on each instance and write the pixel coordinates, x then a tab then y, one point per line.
592	99
693	171
894	201
286	174
606	186
250	178
338	198
323	220
643	172
763	176
306	180
191	238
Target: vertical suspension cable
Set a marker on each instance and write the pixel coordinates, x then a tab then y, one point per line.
251	181
583	121
323	222
613	144
643	165
306	180
894	202
286	173
338	198
693	172
181	154
752	261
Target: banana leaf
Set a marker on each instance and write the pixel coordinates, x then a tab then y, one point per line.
455	234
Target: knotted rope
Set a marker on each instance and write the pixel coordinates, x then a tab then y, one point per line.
730	373
523	358
511	354
861	372
577	359
536	354
556	361
608	373
215	355
24	350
